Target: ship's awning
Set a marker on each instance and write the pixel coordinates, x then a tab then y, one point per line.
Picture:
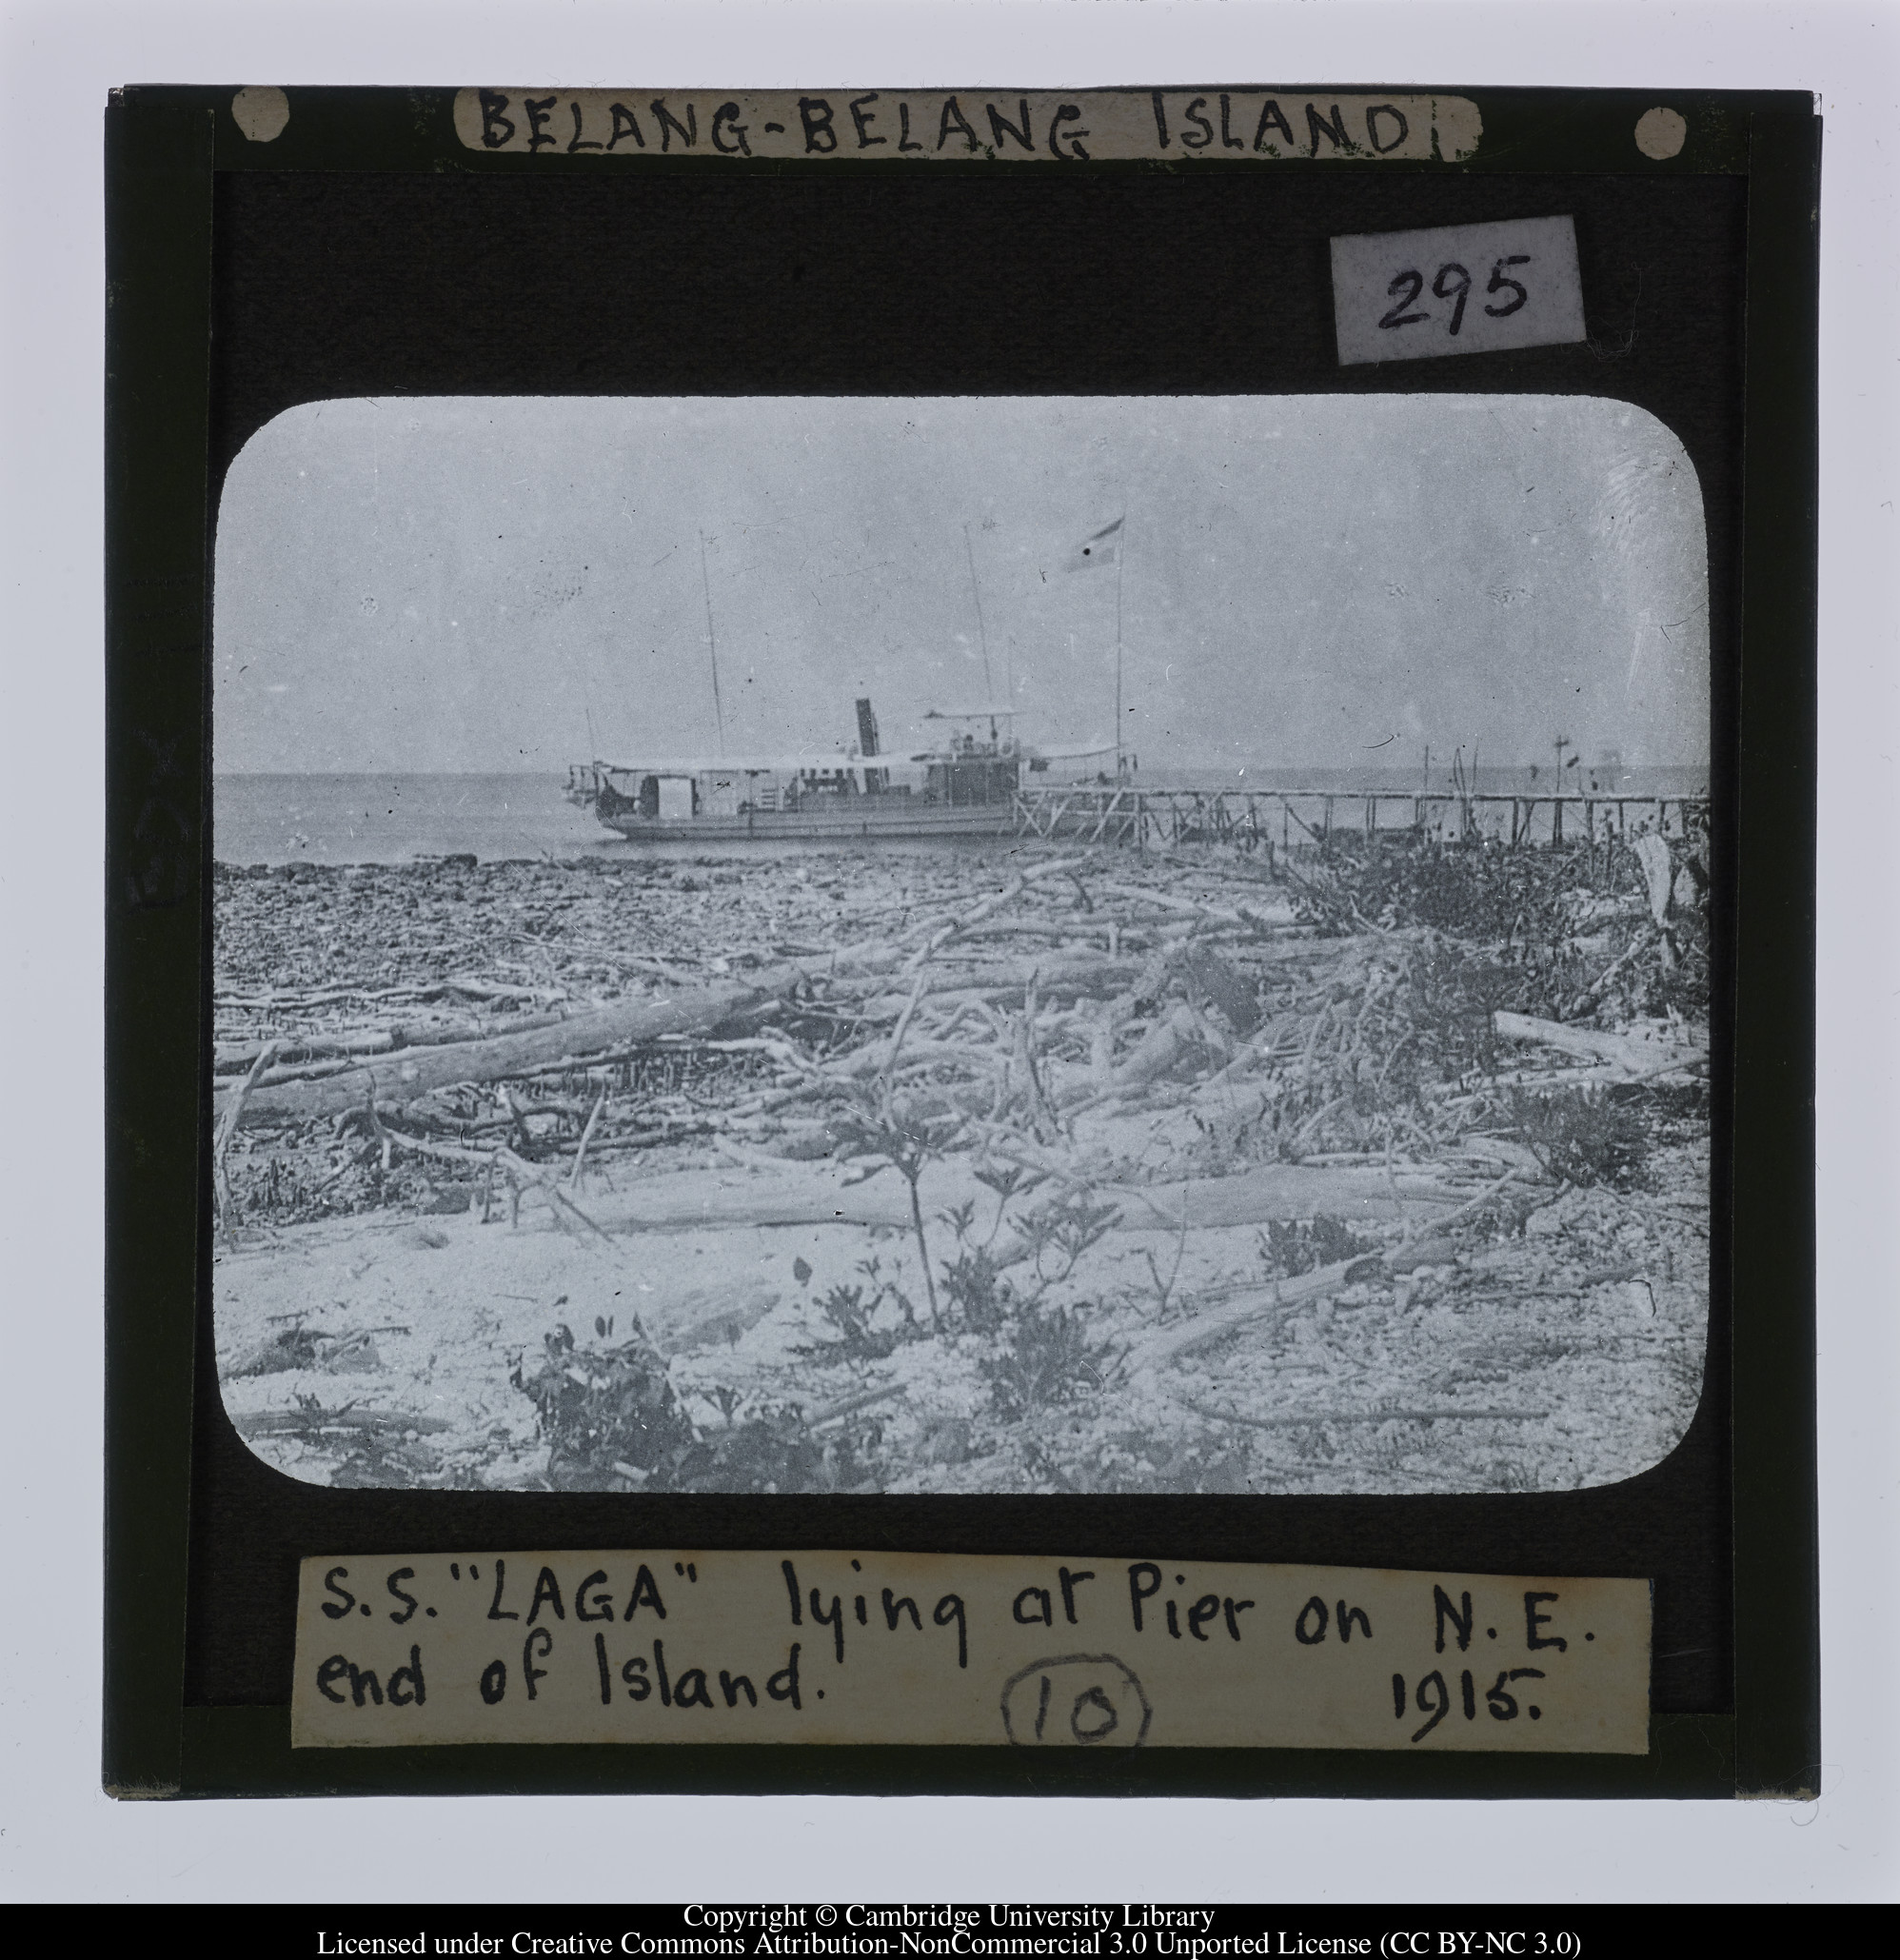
821	765
1072	754
817	764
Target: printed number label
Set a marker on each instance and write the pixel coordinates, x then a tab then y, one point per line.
1463	289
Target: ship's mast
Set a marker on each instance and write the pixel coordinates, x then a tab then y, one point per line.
587	711
1121	553
976	593
712	646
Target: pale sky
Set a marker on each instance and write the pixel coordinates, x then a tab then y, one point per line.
1321	580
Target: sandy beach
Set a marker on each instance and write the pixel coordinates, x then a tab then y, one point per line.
980	1171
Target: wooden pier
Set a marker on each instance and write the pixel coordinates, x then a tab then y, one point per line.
1270	821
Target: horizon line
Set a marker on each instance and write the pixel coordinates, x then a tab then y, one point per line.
556	769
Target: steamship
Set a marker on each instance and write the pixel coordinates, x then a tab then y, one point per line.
964	785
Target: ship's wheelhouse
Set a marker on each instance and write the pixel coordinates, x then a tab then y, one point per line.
965	780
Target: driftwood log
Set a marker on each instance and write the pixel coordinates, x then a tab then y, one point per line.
237	1057
1637	1053
1202	1330
794	1193
405	1073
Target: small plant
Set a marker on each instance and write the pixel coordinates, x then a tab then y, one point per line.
849	1310
1164	1289
982	1298
604	1408
1291	1247
380	1463
1043	1356
1583	1136
1068	1226
774	1450
887	1292
960	1217
1038	1351
906	1139
1006	1182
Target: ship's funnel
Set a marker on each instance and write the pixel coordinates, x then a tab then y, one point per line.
867	727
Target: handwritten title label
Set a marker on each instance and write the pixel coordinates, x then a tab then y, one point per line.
835	1647
999	124
1456	290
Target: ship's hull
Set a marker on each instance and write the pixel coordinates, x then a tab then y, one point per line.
856	818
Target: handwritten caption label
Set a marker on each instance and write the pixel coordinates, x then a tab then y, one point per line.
1178	125
835	1647
1458	289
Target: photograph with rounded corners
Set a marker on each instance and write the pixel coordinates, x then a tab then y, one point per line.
1034	945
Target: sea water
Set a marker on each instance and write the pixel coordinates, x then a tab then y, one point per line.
385	819
397	820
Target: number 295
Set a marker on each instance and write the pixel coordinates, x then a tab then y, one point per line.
1452	282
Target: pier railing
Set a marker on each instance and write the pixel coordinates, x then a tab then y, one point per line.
1267	821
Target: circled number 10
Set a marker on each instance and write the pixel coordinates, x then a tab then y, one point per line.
1454	282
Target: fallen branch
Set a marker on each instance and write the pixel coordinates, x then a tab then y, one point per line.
940	934
228	1123
1170	1345
905	1020
1168	901
586	1137
826	1193
295	1423
520	1171
836	1412
1176	1341
1341	1415
230	1060
1440	1226
1628	1052
1594	993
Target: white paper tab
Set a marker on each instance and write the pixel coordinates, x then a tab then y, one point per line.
837	1647
1456	290
1259	125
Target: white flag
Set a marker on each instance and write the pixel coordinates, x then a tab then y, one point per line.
1104	548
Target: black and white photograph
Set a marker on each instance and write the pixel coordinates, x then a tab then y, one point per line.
963	944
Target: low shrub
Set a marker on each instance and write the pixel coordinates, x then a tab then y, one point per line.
1293	1246
1586	1137
1041	1358
601	1406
